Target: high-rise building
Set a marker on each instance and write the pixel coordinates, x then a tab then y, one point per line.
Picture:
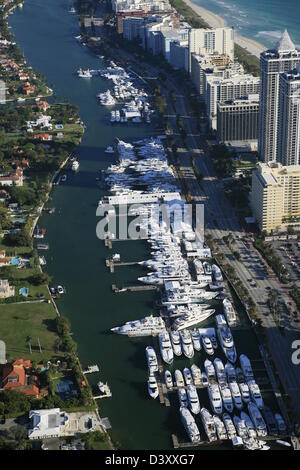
283	58
288	142
275	196
237	121
210	41
220	89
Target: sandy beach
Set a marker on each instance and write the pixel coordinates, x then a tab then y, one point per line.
215	21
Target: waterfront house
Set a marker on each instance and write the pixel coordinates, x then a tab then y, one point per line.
47	423
43	105
27	89
13	178
43	137
4	260
5	289
17	376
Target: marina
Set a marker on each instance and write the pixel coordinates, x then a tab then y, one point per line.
74	220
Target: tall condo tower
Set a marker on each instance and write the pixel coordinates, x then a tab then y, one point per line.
283	58
288	146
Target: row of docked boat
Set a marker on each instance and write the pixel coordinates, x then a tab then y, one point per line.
136	107
249	427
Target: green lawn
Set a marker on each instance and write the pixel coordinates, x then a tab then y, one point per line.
19	321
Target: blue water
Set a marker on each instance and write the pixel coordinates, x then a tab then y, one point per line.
262	20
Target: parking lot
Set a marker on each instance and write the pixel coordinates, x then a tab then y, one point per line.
289	252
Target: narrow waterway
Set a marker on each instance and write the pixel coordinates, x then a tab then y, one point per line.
76	259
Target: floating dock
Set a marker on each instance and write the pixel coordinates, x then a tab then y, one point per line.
133	288
107	393
91	369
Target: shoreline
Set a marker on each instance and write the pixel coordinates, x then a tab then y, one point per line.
216	21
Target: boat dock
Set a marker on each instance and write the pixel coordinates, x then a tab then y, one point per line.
91	369
107	393
116	289
181	445
110	263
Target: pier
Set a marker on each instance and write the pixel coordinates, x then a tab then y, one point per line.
91	369
107	393
116	289
110	263
182	445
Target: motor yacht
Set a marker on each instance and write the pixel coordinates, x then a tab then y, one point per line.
196	374
168	380
165	346
236	395
179	378
193	399
189	425
187	345
257	420
151	360
208	424
230	428
215	398
220	428
152	387
255	394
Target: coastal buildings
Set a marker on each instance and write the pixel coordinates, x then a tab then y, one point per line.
283	58
288	148
146	5
209	41
220	89
237	121
275	196
6	290
47	423
179	54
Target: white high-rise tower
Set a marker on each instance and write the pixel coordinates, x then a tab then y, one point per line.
283	58
288	141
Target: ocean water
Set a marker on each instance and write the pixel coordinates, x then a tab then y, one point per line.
262	20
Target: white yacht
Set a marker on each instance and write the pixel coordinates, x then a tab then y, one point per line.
189	425
148	326
193	399
192	318
246	367
176	343
182	396
196	339
168	380
230	428
75	165
236	395
226	339
196	373
109	149
229	312
220	371
250	426
84	73
151	360
152	387
220	428
179	381
257	420
255	394
280	423
208	424
230	372
207	345
241	427
215	398
226	397
210	370
187	376
165	347
187	345
106	98
217	273
244	389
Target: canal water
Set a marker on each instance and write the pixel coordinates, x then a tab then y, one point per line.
76	258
